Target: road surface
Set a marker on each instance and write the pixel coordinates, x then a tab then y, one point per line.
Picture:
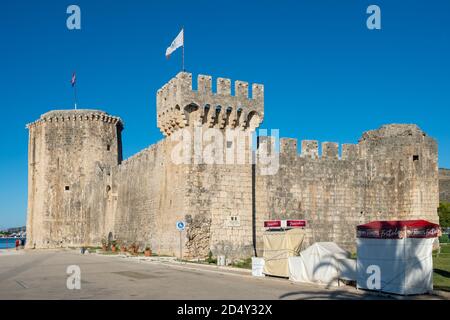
43	275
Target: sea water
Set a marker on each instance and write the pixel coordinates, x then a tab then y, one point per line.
6	243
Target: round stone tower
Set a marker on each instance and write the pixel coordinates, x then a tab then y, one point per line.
66	150
402	178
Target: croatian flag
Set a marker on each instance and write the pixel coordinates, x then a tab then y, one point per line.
74	79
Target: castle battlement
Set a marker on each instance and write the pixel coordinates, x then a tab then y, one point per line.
383	142
310	149
138	156
76	115
179	105
350	151
330	150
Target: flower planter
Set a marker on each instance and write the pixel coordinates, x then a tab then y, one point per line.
148	253
133	249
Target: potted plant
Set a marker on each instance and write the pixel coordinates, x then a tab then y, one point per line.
123	248
113	246
148	251
133	248
104	244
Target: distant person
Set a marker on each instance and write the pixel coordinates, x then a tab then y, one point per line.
17	244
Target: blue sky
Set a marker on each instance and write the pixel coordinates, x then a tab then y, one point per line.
326	76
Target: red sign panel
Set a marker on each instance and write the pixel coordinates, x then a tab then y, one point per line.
296	223
272	224
282	224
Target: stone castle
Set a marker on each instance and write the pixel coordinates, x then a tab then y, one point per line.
81	191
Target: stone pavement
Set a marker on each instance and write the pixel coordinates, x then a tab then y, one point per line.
42	275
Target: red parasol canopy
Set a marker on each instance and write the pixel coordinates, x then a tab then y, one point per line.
398	229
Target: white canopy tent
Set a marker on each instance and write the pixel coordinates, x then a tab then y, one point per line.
400	252
322	263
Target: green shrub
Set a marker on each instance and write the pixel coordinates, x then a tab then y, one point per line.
444	238
444	214
246	263
210	258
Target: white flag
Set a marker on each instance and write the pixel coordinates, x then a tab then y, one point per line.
178	42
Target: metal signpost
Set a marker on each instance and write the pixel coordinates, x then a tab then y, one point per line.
180	227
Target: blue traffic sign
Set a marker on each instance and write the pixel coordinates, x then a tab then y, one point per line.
180	225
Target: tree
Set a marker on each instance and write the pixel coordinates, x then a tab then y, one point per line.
444	214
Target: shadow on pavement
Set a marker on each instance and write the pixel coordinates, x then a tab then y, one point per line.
332	294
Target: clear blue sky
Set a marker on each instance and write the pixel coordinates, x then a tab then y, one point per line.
326	76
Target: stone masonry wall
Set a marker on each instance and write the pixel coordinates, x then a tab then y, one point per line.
444	185
150	199
325	191
391	174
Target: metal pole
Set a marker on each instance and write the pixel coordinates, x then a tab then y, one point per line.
75	94
181	257
183	51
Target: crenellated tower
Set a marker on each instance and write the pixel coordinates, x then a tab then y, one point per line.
66	150
179	106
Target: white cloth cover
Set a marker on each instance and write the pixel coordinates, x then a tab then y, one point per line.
278	247
406	265
320	263
258	267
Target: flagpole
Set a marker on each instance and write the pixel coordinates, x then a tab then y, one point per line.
75	94
183	50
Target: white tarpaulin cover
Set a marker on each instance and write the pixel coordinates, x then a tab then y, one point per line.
257	267
402	253
406	265
278	247
321	263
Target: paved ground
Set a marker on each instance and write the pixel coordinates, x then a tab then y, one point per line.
42	275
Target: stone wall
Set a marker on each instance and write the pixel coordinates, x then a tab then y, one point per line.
391	174
444	185
150	191
220	196
327	192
